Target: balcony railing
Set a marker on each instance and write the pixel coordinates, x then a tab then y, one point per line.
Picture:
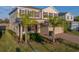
37	15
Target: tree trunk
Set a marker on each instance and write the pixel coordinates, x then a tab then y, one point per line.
53	35
26	35
20	33
25	30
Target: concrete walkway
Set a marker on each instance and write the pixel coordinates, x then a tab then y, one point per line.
70	37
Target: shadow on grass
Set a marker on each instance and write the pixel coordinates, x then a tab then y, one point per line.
46	47
13	34
18	49
40	39
2	32
31	46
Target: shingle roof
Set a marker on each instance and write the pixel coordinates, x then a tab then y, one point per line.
62	13
13	11
30	7
24	7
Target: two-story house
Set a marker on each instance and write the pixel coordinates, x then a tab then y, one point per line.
15	16
40	15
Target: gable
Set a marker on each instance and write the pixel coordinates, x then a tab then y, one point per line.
50	10
69	14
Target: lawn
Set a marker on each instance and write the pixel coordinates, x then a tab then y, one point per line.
8	43
74	32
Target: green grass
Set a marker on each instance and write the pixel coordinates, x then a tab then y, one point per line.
70	46
9	43
75	33
57	47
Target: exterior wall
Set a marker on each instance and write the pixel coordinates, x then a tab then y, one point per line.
12	19
14	26
44	30
58	30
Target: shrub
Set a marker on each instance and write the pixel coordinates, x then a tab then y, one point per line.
37	37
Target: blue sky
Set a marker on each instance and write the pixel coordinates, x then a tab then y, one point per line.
4	10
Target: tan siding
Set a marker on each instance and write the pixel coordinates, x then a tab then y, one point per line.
44	30
57	30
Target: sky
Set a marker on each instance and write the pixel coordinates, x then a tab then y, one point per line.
4	10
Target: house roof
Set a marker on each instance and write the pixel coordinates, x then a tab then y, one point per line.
13	11
62	13
24	7
31	7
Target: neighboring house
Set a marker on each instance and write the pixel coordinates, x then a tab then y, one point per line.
67	16
4	26
74	25
41	16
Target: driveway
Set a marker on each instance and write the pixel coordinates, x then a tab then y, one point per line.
70	37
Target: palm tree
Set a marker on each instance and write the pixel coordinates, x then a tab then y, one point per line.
55	21
27	21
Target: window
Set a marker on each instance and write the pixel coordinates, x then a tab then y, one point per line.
50	33
30	13
55	14
22	12
26	12
46	23
36	14
71	17
29	28
67	17
45	14
50	14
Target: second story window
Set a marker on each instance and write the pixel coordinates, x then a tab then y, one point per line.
45	14
55	14
22	12
50	14
36	14
71	17
67	17
26	12
30	13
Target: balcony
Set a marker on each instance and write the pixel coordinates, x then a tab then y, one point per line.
32	14
45	15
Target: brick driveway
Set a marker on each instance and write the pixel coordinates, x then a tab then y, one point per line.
70	37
